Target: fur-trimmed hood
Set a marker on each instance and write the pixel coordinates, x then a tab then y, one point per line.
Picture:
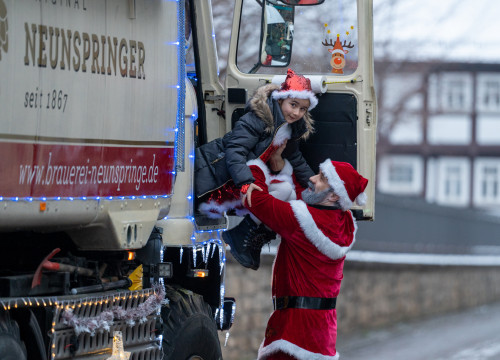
269	111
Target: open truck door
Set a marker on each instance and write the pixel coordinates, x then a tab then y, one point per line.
330	42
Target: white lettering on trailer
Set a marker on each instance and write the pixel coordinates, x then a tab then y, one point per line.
89	174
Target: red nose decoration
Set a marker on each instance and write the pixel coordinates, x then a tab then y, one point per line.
295	82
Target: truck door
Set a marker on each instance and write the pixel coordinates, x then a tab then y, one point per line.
329	41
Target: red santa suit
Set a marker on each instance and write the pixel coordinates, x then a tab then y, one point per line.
309	263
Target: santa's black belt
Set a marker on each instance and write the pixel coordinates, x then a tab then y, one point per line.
304	302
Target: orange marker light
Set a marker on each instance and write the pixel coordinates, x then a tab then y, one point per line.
131	255
43	206
198	273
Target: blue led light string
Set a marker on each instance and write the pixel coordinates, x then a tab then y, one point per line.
207	247
181	89
81	198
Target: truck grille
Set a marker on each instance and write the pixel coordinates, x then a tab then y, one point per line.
140	339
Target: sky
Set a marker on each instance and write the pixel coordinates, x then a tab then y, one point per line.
451	30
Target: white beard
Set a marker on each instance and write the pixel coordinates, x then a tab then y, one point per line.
312	198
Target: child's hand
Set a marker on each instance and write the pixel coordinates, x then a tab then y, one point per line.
248	195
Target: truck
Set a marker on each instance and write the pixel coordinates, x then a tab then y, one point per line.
102	106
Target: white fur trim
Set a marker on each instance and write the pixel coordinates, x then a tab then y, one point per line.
336	183
315	235
361	199
283	133
285	174
291	349
282	190
260	164
241	212
338	51
208	208
305	94
287	169
283	178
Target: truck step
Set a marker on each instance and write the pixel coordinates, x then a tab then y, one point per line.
204	223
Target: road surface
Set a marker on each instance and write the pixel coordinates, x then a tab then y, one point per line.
470	335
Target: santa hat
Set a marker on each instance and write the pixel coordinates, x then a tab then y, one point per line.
346	182
338	48
296	86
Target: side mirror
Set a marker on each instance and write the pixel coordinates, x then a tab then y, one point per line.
277	34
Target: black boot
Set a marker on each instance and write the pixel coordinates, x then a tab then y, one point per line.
237	239
246	241
262	236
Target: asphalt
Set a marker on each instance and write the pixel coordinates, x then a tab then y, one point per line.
473	334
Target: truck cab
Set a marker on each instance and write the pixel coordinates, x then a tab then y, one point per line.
328	41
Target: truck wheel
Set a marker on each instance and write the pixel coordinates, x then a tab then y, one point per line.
11	346
189	329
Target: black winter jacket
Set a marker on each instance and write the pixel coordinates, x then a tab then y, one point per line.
225	158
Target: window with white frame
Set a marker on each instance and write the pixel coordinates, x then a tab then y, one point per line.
456	92
453	181
401	174
488	92
487	182
491	96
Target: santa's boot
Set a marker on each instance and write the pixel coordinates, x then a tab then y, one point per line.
246	241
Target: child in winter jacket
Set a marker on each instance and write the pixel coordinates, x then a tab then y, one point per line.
275	116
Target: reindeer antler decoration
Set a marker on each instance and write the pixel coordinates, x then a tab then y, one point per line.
338	51
328	44
344	45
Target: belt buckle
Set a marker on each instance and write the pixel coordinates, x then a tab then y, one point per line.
285	302
281	303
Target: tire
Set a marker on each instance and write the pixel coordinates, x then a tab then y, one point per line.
189	329
11	346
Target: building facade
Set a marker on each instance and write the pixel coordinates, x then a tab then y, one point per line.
439	132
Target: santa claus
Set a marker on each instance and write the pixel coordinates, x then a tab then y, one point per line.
316	234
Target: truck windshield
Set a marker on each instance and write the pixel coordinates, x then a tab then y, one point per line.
319	39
